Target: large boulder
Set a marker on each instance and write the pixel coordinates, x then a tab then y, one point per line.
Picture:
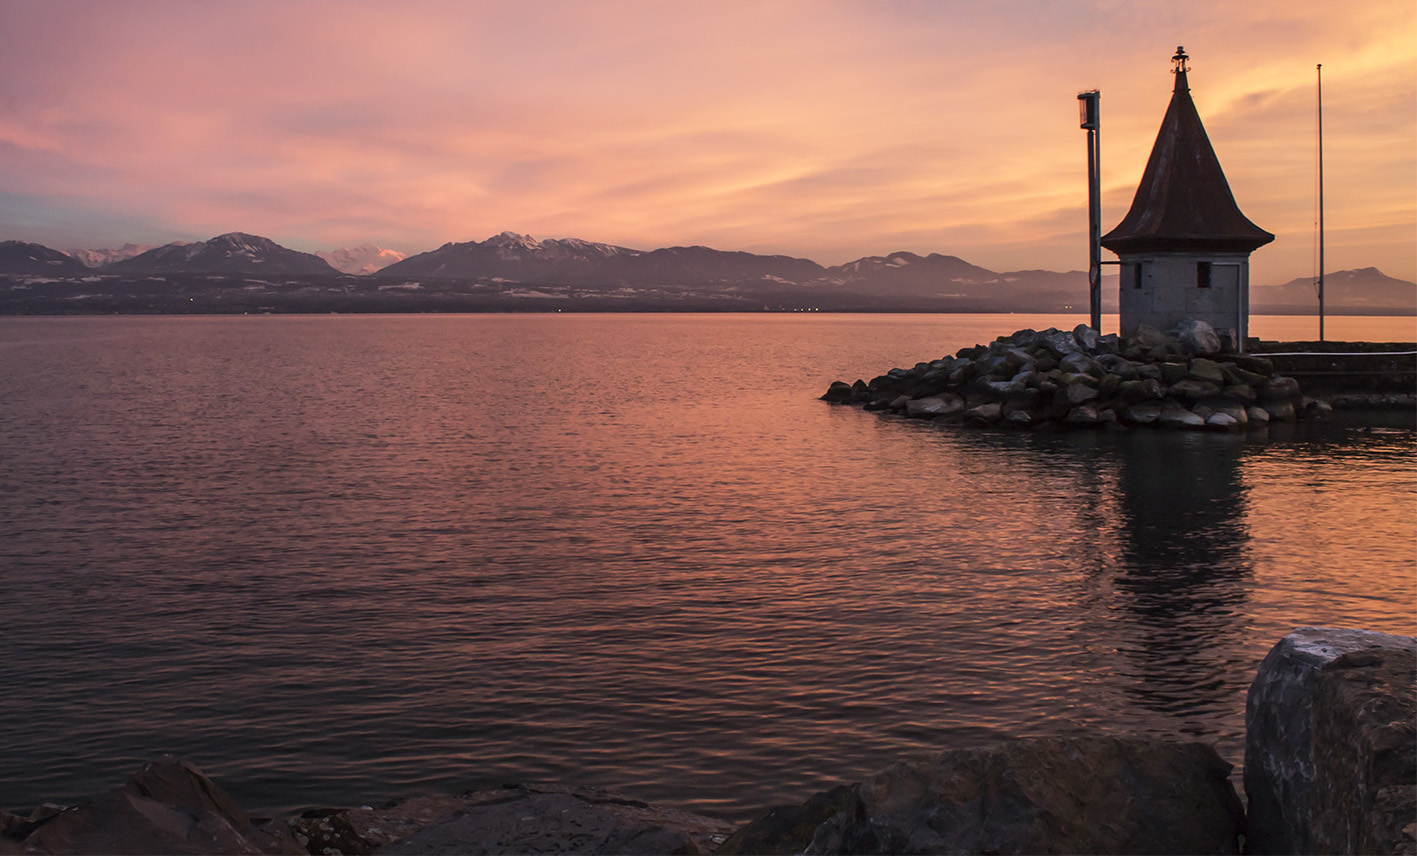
1079	392
168	807
1207	370
839	392
1331	744
1222	421
1087	338
1080	363
946	404
1142	413
1175	416
1058	343
1197	337
1048	795
1143	340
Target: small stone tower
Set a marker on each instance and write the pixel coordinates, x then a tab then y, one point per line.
1185	246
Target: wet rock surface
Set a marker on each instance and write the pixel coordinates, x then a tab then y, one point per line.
1331	744
1185	379
1052	795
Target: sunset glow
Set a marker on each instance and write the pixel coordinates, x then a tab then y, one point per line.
829	130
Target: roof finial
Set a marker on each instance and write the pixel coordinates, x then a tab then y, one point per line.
1180	60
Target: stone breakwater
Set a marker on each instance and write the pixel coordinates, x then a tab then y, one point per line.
1330	767
1186	378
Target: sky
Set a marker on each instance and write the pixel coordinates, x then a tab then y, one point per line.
826	129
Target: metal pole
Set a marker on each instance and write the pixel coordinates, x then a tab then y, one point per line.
1094	192
1321	201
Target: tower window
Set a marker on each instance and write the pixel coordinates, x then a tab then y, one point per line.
1131	275
1203	275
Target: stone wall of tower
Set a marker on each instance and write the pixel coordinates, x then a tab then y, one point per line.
1163	288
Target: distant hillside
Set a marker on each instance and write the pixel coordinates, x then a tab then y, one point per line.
952	281
706	266
1365	291
232	253
909	274
20	257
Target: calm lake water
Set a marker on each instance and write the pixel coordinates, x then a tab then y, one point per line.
336	560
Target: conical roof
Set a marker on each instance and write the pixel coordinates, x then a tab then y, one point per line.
1184	202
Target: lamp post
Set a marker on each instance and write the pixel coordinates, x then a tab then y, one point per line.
1090	114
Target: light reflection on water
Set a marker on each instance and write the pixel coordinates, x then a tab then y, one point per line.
336	560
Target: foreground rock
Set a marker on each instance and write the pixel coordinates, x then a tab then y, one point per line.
1331	744
1053	795
168	807
1032	379
554	819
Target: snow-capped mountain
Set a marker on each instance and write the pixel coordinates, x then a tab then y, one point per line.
22	257
361	260
511	256
232	253
100	258
577	262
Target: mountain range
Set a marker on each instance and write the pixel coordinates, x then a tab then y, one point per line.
513	271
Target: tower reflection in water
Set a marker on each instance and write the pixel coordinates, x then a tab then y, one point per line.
1182	571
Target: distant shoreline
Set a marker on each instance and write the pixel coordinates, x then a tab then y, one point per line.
49	310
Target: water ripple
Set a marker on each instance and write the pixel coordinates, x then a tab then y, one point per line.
336	560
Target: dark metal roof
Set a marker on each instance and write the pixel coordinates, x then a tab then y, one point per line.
1184	202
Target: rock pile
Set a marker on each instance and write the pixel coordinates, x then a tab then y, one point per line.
1033	379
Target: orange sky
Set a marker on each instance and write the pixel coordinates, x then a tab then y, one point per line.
830	130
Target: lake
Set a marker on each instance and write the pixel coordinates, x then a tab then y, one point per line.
334	560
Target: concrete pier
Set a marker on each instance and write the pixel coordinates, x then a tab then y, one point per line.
1348	375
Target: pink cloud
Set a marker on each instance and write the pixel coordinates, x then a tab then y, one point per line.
827	129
